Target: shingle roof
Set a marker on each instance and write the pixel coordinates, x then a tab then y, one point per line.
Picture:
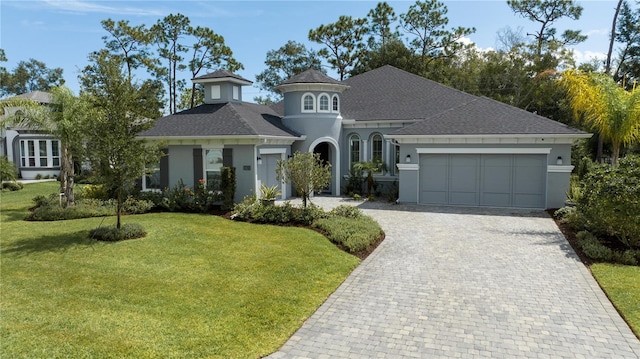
311	76
37	96
225	119
220	74
388	93
484	116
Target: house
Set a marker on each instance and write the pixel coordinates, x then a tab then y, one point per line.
442	146
34	152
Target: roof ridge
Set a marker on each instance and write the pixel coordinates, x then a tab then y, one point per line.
242	119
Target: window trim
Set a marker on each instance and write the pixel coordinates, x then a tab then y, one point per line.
38	151
350	140
313	103
322	95
204	160
336	99
371	144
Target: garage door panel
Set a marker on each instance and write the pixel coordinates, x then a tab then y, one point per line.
435	189
463	179
499	180
496	180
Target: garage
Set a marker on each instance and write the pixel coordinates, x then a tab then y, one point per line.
494	180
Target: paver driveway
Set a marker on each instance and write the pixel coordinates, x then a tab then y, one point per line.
469	283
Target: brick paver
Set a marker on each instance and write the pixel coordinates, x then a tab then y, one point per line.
465	283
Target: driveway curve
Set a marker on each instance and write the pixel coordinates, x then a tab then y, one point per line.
464	283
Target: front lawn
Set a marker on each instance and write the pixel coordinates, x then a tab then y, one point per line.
622	285
196	286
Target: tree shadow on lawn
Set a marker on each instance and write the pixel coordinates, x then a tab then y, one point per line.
49	243
10	215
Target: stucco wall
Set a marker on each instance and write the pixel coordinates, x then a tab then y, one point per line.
181	165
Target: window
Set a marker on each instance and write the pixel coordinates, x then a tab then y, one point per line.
334	104
212	165
323	103
151	178
354	150
39	153
215	91
376	148
236	92
308	103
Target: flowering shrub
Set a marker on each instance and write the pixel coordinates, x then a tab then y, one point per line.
203	198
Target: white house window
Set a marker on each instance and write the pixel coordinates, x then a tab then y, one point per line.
335	106
39	153
308	103
215	91
323	103
212	165
151	178
236	92
354	150
376	148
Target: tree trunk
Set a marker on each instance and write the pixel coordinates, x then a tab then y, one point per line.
607	66
616	153
119	208
193	94
69	174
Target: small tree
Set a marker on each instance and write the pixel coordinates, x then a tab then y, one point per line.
8	171
117	157
306	172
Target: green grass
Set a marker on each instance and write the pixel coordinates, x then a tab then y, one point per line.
622	285
196	286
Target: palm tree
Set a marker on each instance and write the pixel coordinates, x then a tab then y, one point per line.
605	107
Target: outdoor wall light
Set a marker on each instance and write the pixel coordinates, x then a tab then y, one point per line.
408	158
259	160
559	160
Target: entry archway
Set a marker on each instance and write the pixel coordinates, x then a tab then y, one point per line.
329	151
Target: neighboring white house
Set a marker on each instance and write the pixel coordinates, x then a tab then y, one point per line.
442	146
33	151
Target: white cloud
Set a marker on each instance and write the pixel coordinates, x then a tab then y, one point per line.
586	56
83	7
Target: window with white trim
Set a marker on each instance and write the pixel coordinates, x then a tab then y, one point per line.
354	150
323	103
39	153
376	148
308	103
236	92
212	164
215	92
335	104
151	178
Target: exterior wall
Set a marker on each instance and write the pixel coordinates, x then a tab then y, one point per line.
226	92
557	175
181	165
244	160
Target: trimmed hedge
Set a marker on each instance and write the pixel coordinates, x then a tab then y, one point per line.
113	234
354	234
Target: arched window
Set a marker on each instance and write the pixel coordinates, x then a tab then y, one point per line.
308	103
376	148
335	105
323	103
354	149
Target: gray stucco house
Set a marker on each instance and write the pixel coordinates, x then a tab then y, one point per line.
442	146
33	151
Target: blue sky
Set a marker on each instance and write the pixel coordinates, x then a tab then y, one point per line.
62	33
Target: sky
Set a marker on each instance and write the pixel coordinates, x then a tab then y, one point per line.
61	33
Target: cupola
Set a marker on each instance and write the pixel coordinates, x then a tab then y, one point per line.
221	86
311	92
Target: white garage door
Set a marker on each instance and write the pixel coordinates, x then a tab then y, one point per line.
495	180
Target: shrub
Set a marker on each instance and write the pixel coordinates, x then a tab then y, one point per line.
113	234
307	215
8	170
354	234
137	206
244	209
228	187
569	215
12	186
610	202
347	211
592	248
44	201
96	191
